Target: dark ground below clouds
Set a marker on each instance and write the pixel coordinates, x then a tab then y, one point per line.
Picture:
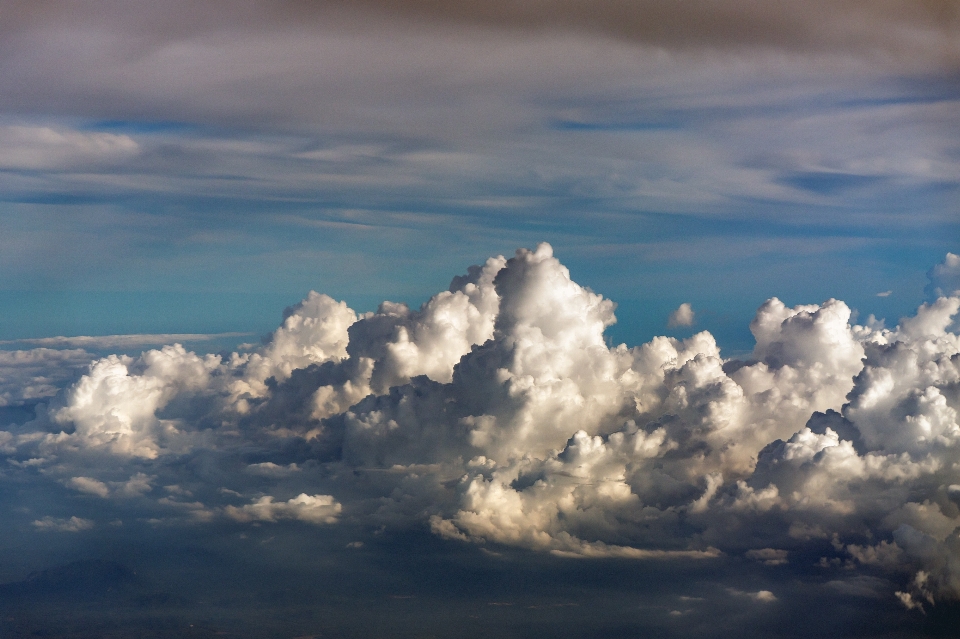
292	581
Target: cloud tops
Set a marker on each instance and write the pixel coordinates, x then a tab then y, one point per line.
497	414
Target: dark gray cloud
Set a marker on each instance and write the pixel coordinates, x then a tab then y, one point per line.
240	61
890	27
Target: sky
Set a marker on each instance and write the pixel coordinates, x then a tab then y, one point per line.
404	318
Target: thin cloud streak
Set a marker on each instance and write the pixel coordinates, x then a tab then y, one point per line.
119	341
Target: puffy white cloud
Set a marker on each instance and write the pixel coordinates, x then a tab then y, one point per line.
431	341
900	399
377	351
683	316
547	371
314	331
115	404
497	414
945	276
314	509
89	485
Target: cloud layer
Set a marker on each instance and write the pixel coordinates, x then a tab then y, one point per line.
497	414
894	27
262	146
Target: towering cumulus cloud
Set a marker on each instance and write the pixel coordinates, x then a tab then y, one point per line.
497	414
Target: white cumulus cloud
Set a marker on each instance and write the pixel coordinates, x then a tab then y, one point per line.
683	316
497	413
315	509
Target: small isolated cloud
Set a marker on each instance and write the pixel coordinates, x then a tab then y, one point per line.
760	596
908	601
683	316
861	586
52	524
769	556
315	509
89	486
269	469
885	294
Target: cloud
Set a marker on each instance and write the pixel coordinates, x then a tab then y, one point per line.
136	486
101	342
776	24
497	414
73	524
269	469
683	316
760	596
945	277
231	114
314	509
38	373
115	404
43	147
849	25
769	556
90	486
